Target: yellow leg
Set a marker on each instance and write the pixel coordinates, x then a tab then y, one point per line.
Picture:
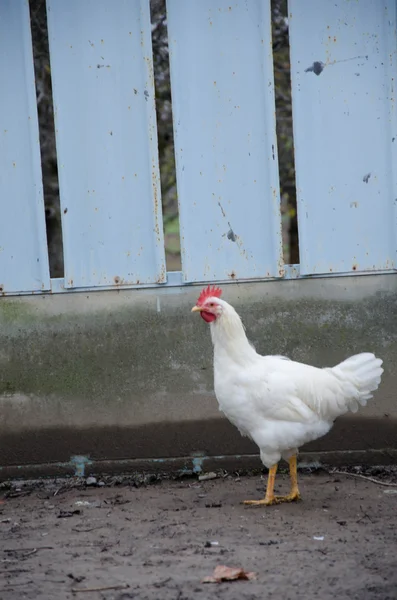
270	497
294	478
293	473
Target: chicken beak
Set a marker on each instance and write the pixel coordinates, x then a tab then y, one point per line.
197	309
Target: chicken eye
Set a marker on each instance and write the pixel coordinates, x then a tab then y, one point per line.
212	304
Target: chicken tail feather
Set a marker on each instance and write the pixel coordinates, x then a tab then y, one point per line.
359	376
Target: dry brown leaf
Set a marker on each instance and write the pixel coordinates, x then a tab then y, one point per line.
223	573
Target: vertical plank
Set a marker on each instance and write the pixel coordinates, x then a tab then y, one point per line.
23	244
225	139
343	69
103	86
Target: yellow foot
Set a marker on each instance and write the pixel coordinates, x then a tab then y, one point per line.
263	502
291	497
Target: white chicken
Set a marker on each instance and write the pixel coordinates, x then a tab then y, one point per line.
279	403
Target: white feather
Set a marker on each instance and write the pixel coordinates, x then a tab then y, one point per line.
282	404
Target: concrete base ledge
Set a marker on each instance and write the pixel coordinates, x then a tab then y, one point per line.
191	446
190	466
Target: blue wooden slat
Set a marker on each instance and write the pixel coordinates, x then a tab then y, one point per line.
102	74
225	139
344	70
23	244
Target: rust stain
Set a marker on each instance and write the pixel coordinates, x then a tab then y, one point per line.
155	202
117	280
232	275
65	210
354	267
150	72
162	275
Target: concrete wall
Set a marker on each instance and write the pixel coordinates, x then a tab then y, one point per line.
123	379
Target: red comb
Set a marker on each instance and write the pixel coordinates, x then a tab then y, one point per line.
209	292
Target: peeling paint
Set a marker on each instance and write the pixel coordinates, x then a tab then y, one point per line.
197	463
317	68
80	463
231	235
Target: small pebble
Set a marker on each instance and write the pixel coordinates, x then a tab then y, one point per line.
90	481
207	476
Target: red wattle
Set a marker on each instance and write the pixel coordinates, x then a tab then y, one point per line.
207	316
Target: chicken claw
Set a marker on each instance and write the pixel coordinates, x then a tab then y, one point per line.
263	502
270	498
291	497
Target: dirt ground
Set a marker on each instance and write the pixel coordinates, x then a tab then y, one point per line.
158	541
